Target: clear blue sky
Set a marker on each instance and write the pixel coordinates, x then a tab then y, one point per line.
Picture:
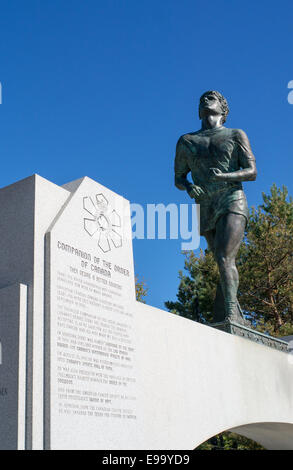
105	88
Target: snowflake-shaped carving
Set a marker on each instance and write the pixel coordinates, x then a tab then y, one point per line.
103	223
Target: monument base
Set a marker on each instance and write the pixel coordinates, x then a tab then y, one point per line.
253	335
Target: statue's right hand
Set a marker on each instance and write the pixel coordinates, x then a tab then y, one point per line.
195	192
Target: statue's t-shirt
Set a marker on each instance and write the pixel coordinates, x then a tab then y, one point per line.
226	149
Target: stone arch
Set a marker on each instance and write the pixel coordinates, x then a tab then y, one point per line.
204	381
271	435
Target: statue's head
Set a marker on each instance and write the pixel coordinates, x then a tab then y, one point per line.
215	102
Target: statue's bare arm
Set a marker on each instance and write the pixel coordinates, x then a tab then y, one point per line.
246	174
181	171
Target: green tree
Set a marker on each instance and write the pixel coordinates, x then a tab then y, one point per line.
197	289
141	290
265	265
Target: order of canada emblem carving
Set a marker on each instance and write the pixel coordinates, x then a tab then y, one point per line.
104	222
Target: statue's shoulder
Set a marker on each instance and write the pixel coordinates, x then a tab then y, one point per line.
238	134
188	138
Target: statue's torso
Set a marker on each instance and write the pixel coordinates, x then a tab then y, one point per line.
214	148
220	148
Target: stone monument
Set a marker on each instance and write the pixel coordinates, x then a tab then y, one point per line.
85	366
66	321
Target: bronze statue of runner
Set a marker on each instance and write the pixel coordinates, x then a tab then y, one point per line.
219	159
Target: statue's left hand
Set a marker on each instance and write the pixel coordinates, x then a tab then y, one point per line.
216	174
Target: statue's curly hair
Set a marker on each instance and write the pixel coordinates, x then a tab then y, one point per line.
223	102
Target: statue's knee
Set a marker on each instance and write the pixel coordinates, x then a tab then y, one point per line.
223	260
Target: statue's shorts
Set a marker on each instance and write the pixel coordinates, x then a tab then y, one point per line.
221	203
